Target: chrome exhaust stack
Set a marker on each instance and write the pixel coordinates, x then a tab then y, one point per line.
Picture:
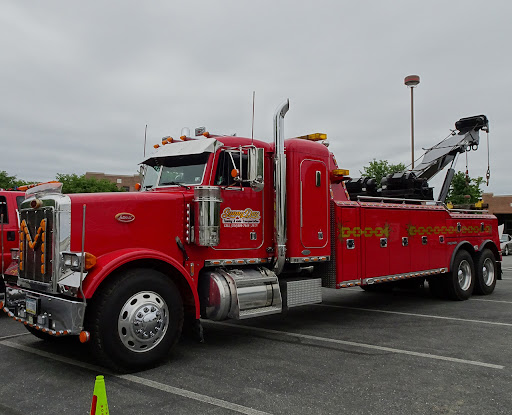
280	185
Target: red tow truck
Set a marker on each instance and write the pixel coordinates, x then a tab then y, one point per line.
234	228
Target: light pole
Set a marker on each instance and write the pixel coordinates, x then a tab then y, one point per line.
411	81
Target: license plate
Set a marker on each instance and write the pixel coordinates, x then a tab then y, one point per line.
31	305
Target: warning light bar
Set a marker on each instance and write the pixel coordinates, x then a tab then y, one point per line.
340	172
314	137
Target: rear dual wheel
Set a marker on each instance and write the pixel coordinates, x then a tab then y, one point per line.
460	282
486	271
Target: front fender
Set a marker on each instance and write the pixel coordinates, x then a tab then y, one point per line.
108	263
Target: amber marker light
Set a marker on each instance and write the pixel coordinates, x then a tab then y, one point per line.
206	134
235	173
156	146
138	186
339	175
84	336
90	261
183	138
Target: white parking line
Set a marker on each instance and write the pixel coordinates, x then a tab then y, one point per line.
13	335
355	344
372	310
492	301
136	379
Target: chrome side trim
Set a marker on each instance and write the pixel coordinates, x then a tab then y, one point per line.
238	261
301	260
346	284
389	278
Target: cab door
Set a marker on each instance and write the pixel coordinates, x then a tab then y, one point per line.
241	210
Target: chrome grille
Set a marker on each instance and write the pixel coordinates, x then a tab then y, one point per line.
36	244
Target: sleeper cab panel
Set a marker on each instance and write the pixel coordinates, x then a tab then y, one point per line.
314	205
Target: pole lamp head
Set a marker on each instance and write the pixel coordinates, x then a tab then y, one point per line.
412	80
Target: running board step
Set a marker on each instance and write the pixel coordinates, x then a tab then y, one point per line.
256	312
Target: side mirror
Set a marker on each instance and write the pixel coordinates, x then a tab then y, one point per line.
256	163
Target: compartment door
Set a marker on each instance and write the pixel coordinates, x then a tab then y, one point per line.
314	204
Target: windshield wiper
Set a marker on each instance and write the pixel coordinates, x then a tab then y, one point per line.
175	184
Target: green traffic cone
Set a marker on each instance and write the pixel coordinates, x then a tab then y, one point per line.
99	404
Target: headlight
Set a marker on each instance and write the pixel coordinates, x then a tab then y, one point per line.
15	254
73	260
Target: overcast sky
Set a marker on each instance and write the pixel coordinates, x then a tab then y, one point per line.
80	80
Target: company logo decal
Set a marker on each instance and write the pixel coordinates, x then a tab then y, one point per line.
36	243
244	218
125	217
357	232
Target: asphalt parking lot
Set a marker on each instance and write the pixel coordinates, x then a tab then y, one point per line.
357	353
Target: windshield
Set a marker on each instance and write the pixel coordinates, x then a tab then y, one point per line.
176	170
504	237
150	176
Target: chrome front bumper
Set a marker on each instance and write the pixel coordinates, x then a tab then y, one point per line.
53	315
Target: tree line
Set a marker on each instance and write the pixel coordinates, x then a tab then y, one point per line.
463	189
71	183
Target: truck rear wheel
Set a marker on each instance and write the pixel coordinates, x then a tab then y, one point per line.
461	280
485	280
136	320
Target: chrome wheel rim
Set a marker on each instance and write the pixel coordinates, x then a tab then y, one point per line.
488	272
143	321
464	275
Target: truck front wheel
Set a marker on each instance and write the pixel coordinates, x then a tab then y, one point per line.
461	280
485	281
135	320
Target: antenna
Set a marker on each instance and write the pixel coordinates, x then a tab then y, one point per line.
252	129
145	133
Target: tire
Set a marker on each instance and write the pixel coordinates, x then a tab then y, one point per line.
506	250
135	320
485	273
460	281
